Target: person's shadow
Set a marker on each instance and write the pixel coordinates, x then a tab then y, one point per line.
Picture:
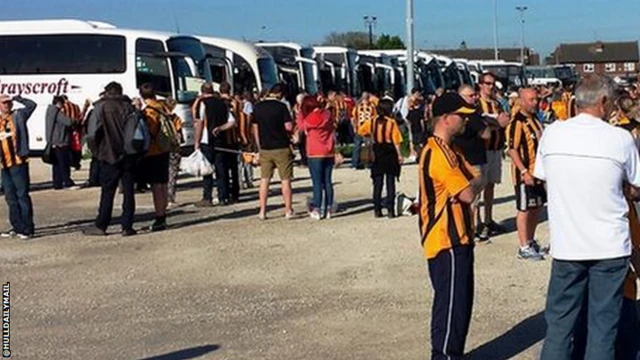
513	342
186	354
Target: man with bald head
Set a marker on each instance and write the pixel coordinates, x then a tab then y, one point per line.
523	136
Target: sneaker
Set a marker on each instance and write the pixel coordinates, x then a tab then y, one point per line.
8	234
204	204
289	215
483	233
377	214
315	215
72	188
542	250
172	205
529	253
262	217
129	232
24	236
94	231
495	228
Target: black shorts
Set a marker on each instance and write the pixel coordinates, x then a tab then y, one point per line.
153	169
530	197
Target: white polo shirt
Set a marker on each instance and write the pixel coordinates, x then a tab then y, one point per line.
585	162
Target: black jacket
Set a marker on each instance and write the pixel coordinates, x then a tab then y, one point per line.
105	128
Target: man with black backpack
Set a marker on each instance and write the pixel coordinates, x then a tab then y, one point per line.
116	137
154	167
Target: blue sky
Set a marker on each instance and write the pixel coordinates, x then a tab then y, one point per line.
438	23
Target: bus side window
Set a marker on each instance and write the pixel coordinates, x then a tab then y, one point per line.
150	68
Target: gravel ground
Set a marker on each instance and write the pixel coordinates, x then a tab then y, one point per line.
222	285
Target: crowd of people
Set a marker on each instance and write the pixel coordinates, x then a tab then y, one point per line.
460	140
581	162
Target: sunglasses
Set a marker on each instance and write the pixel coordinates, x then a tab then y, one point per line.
489	83
7	102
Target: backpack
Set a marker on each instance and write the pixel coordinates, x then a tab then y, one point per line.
137	138
167	136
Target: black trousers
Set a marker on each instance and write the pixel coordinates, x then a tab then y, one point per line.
452	278
207	181
378	182
110	176
231	164
94	172
62	168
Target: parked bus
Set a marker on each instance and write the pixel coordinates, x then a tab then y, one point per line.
450	73
397	59
386	74
542	75
431	73
44	58
253	69
296	66
337	69
465	71
566	74
367	74
510	74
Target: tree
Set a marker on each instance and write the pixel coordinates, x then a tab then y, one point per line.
388	42
358	40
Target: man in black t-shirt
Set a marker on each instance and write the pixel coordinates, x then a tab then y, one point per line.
472	141
272	129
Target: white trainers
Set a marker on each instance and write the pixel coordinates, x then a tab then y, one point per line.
8	234
315	215
24	237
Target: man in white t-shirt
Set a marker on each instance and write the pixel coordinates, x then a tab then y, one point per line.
587	163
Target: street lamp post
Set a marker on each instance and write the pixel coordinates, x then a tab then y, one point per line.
410	74
370	21
521	9
496	55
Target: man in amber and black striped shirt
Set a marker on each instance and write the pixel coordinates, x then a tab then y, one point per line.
448	186
523	136
489	106
14	155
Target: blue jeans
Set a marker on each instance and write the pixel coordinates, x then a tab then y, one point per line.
357	145
321	170
601	281
16	182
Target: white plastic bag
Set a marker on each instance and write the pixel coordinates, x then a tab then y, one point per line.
196	165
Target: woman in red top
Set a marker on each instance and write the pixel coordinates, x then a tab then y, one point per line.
318	127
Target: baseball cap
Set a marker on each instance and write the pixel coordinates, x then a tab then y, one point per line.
4	98
451	103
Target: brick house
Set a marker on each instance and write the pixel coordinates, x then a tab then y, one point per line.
615	59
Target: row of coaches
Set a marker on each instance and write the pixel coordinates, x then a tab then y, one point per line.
40	59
